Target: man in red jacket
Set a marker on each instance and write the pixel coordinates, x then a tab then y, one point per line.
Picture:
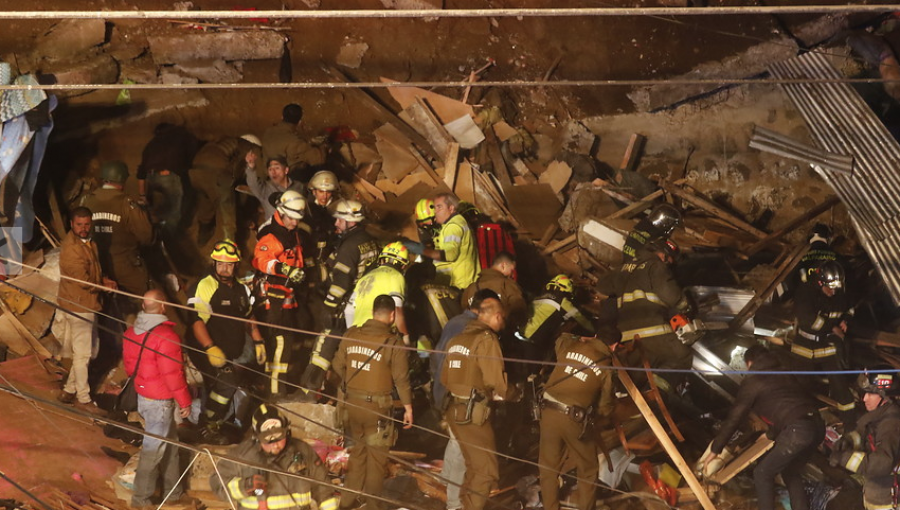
151	352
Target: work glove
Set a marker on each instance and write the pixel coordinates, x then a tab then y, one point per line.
414	247
216	356
849	441
255	485
260	348
295	275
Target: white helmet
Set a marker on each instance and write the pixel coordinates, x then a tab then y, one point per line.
252	139
323	181
349	210
291	204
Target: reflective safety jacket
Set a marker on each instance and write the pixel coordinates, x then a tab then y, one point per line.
371	361
355	251
548	312
383	280
460	267
277	251
283	491
817	316
878	456
208	296
583	377
647	297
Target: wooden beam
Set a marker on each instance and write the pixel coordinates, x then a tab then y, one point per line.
633	152
382	112
664	438
747	457
560	244
35	345
714	210
450	165
796	222
784	269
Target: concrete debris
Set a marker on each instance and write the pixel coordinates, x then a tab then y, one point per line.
351	54
215	71
412	4
228	46
578	138
70	38
170	76
96	68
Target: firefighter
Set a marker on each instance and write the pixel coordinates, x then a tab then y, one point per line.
271	446
385	279
872	450
474	377
822	311
579	389
356	249
278	259
454	252
425	224
222	339
794	422
371	363
820	251
658	225
647	297
320	202
547	313
121	229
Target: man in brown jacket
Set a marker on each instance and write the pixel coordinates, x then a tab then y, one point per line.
283	139
579	388
371	361
498	278
79	269
473	375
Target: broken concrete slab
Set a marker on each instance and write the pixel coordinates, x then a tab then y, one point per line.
245	45
313	421
211	71
70	38
578	138
96	68
351	54
585	202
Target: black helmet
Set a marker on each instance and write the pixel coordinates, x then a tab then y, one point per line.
665	218
820	232
830	274
114	171
881	380
269	425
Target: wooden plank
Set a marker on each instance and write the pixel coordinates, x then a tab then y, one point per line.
420	117
686	472
504	131
59	226
372	189
549	233
560	244
796	222
450	165
465	185
633	152
714	210
33	343
782	272
500	169
747	457
488	186
446	109
636	207
381	112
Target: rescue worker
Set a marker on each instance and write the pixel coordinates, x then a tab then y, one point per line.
647	297
794	422
548	312
872	450
272	446
121	229
216	168
473	375
222	339
371	363
356	249
278	260
579	389
425	224
822	311
498	278
283	139
162	176
386	279
658	225
322	189
454	252
820	251
278	182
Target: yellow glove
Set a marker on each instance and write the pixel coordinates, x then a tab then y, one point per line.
216	356
260	348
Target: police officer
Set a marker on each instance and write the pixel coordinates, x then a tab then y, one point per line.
579	388
647	298
822	311
473	375
221	338
283	139
278	259
455	253
121	229
498	278
370	363
272	446
385	279
873	449
658	225
355	251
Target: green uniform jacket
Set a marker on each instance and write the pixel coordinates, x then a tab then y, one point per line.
474	360
283	139
581	381
371	360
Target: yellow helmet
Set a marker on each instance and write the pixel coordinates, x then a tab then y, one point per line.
425	210
394	253
226	251
561	283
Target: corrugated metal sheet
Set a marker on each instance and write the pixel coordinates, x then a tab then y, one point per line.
842	123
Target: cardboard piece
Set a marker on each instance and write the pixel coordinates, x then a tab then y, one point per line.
504	131
445	108
363	154
450	165
557	175
535	206
465	131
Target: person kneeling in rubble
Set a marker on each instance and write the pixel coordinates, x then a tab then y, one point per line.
794	423
293	474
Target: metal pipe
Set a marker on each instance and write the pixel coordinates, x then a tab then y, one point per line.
775	137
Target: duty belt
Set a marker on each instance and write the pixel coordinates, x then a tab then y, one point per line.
366	396
576	413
